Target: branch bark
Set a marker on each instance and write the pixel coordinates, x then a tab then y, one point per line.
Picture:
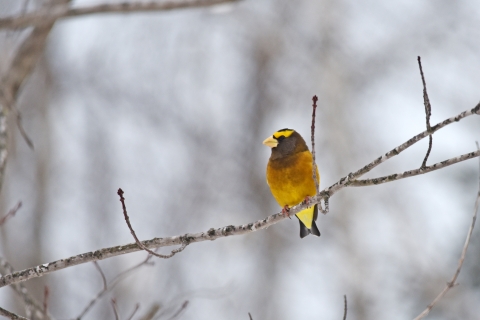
213	234
63	11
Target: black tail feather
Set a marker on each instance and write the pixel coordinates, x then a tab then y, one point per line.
303	230
314	230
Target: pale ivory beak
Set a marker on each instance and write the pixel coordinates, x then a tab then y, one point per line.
270	142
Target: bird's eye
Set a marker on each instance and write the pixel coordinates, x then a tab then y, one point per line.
279	139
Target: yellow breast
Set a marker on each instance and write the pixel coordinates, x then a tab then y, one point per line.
290	178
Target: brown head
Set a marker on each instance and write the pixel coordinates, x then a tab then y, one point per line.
285	142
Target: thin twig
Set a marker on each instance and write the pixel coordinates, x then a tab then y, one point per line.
46	295
139	243
63	11
213	234
452	282
104	279
428	113
151	312
11	213
415	172
20	127
137	306
250	316
314	165
314	162
344	307
11	315
115	311
182	308
111	285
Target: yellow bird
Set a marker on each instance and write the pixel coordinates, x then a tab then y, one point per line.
290	178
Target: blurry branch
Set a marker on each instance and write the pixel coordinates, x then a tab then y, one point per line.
462	256
213	234
46	295
31	305
137	306
10	315
109	286
11	213
344	307
151	312
127	220
115	310
63	11
428	113
250	316
179	311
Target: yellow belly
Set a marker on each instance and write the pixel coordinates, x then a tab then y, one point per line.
290	180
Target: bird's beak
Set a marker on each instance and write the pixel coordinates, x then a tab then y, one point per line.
270	142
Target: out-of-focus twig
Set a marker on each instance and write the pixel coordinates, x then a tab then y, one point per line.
428	113
109	286
344	307
452	282
137	306
115	310
46	295
63	11
179	311
11	213
151	312
11	315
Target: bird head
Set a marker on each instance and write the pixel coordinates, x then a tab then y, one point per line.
285	142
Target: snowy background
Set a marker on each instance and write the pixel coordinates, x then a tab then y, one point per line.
173	106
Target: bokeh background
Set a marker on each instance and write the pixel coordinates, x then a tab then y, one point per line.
173	107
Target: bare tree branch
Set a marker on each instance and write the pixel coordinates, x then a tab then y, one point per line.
462	256
428	112
109	286
10	315
344	307
416	172
31	305
127	220
213	234
62	11
11	213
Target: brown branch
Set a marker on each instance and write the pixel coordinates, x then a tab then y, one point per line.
452	282
314	162
137	306
139	243
31	305
314	165
64	11
115	311
428	112
179	311
104	279
46	294
11	315
344	307
151	312
11	213
345	181
416	172
111	285
213	234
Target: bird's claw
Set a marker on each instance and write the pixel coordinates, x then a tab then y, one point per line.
285	211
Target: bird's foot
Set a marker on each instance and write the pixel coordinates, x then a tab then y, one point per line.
306	201
285	211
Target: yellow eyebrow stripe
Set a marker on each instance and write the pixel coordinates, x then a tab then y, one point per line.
286	133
